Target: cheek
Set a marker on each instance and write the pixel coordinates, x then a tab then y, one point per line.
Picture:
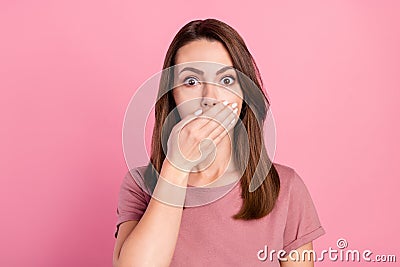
182	95
239	99
186	103
235	97
177	94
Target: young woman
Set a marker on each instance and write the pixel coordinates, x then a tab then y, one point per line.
209	131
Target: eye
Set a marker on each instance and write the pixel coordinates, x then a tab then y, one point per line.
228	80
191	81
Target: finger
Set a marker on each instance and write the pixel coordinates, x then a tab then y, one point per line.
216	118
221	120
221	132
225	126
221	136
204	124
204	118
185	121
216	121
198	114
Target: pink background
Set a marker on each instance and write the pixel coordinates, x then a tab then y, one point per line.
68	70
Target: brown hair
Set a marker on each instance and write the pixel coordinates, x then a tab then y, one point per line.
256	204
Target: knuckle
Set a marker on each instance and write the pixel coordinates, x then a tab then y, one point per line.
189	131
195	137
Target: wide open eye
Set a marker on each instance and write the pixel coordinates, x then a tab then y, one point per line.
191	81
227	80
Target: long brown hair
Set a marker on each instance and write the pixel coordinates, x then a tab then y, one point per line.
260	202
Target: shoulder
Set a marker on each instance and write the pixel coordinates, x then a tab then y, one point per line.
290	181
134	179
286	174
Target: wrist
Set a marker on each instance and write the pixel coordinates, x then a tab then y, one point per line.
173	174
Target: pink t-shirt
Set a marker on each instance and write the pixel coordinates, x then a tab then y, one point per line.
208	236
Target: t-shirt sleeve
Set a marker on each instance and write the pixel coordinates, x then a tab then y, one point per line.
303	224
132	200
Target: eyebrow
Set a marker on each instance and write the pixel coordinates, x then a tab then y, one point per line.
192	69
200	72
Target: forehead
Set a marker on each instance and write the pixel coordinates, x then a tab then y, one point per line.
203	50
202	68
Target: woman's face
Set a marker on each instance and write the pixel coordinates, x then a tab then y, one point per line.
203	84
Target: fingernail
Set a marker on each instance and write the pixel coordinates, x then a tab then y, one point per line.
198	112
235	110
225	103
234	105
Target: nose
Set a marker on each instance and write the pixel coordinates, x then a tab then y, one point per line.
209	96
